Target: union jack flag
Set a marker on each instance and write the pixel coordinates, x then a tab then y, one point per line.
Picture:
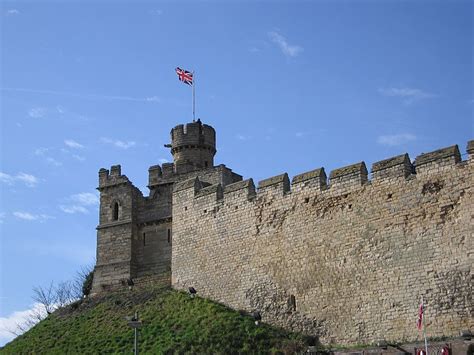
184	76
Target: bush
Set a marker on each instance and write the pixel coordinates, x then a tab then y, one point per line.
87	284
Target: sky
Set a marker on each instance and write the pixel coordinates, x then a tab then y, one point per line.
289	86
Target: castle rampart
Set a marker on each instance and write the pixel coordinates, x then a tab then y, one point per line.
349	259
346	258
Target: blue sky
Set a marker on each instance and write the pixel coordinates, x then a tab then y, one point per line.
288	86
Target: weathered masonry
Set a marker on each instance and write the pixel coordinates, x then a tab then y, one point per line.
345	258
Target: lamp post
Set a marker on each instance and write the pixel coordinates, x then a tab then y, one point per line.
257	317
135	324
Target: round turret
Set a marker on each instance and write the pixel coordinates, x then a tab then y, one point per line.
193	146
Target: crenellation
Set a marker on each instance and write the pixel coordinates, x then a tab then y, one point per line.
215	190
443	158
115	171
392	168
470	150
347	177
279	184
113	178
154	175
298	255
193	183
312	179
167	170
245	187
103	176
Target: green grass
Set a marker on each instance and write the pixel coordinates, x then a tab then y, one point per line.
172	323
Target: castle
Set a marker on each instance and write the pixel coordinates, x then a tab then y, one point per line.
346	259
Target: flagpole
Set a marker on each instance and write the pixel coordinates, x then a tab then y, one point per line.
194	98
423	325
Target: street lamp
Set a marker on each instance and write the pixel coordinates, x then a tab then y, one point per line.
257	317
135	324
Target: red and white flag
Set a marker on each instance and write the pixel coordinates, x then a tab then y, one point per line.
419	321
185	76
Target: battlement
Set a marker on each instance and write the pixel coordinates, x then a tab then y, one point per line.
194	133
347	178
193	146
244	188
279	184
169	173
112	178
314	178
373	242
438	159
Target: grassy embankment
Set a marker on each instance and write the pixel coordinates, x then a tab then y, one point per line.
172	323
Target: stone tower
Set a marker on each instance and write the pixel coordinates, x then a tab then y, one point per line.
193	146
134	235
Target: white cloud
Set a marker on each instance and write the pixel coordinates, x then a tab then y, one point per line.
409	95
6	178
241	137
37	112
163	160
157	12
79	203
42	152
28	179
72	209
396	139
84	96
78	157
27	216
2	217
10	325
287	49
13	12
73	144
52	161
86	198
118	143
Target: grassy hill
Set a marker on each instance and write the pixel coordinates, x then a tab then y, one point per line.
172	323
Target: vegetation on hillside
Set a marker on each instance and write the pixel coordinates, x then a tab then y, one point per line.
172	323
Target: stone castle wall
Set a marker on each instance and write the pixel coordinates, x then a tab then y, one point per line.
136	242
348	260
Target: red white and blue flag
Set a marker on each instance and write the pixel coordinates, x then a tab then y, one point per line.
184	76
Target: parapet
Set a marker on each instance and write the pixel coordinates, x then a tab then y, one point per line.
275	184
197	193
191	134
154	175
314	178
194	183
438	159
113	178
392	168
470	149
168	170
215	190
349	176
245	187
